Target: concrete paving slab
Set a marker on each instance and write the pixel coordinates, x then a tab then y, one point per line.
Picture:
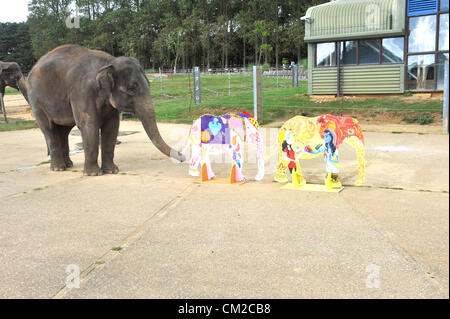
416	221
222	243
75	222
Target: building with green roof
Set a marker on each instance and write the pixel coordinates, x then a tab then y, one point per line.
377	46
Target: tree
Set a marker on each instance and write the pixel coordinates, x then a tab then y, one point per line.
15	45
214	33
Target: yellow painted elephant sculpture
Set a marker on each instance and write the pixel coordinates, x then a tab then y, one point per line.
309	137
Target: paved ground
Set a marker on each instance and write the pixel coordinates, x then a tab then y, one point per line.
181	239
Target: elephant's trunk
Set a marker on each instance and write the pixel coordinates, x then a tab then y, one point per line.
146	114
260	161
23	88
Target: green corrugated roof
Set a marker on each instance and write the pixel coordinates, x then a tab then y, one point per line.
350	19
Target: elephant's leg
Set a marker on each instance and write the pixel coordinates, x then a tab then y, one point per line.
109	137
358	145
205	160
64	138
90	134
237	161
52	137
282	166
195	160
240	163
332	178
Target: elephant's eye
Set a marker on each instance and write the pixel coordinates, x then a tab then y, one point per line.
132	89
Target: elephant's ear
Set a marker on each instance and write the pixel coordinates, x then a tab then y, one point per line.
4	67
236	123
105	80
141	69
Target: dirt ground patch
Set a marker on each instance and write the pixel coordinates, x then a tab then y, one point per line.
17	108
411	98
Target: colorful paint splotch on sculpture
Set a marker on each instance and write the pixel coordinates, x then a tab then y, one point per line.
214	130
227	132
342	127
306	138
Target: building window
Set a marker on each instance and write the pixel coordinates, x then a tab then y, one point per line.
427	44
422	36
443	32
393	50
348	52
326	54
421	70
361	52
442	57
369	51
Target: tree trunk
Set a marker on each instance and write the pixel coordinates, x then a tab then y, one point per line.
175	63
276	35
226	56
276	56
265	54
203	61
223	57
243	59
256	51
207	58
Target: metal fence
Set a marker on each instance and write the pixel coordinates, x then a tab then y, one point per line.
219	81
233	88
284	72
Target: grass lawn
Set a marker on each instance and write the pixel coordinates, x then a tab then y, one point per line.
14	125
172	97
11	91
173	103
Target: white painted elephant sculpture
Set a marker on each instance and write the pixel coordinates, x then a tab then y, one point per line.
226	133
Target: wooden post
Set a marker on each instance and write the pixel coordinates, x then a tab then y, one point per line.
446	97
277	75
197	86
338	69
257	93
295	76
2	108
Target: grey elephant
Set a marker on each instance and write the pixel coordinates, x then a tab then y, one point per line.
11	75
73	85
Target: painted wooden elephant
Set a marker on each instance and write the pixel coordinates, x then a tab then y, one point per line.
227	132
309	137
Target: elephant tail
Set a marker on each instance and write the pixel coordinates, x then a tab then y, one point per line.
358	145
